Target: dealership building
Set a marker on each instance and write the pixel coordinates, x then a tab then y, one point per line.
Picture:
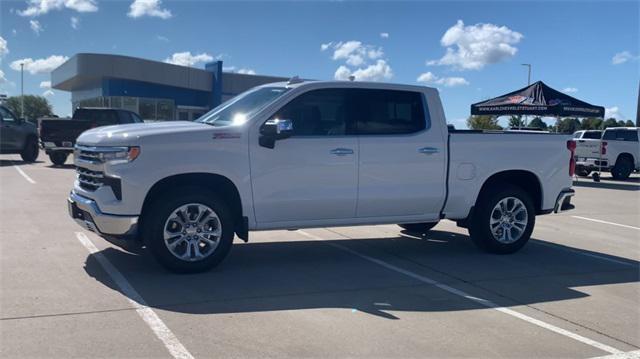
155	90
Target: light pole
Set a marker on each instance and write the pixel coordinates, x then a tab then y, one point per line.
529	75
22	89
528	83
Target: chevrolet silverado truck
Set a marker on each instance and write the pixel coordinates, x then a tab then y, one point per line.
58	135
617	152
302	154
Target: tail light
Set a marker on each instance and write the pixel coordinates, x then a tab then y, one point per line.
571	146
603	147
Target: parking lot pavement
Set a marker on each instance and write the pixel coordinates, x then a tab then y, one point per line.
573	291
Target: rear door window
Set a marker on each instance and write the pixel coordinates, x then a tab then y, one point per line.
592	135
389	112
610	135
628	135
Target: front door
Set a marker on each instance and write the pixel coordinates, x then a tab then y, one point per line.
312	175
10	134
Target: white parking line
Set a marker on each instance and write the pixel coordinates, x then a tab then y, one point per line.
605	222
481	301
20	171
147	314
628	355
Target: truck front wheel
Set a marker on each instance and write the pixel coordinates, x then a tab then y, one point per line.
30	151
418	227
190	230
503	220
58	158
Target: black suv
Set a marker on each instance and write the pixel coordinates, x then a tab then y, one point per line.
18	136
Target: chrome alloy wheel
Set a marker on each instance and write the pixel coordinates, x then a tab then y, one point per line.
192	232
509	219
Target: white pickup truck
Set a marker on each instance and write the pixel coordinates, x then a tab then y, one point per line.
617	152
313	154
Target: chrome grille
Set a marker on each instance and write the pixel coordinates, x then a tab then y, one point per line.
87	154
89	180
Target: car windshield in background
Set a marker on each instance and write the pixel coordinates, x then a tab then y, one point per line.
238	110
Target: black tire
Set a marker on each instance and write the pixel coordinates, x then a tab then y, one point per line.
480	228
418	227
58	158
582	172
158	213
622	169
30	151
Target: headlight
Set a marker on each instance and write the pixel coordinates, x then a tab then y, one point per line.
115	155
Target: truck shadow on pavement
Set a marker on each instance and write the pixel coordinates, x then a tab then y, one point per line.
310	274
6	163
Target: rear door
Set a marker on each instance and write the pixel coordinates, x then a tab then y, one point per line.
11	136
402	160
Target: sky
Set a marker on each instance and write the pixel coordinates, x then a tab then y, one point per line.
470	51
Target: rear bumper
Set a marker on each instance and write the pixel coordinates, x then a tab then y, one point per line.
592	163
87	214
64	146
563	202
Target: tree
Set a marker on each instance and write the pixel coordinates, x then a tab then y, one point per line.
629	123
483	122
538	123
34	106
610	122
516	121
591	123
568	125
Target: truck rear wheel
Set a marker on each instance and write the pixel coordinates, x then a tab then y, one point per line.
503	220
58	158
622	169
418	227
188	231
31	150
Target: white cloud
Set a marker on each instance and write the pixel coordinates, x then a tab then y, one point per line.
429	77
162	38
3	79
354	52
36	27
39	66
247	71
473	47
48	93
614	112
569	90
45	84
75	22
41	7
376	72
622	57
235	70
187	59
152	8
384	35
362	61
4	48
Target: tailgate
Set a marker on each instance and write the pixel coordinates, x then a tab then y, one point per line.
587	148
58	130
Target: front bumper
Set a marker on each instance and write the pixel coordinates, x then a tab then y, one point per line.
563	202
87	214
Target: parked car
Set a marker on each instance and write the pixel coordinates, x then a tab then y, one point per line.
58	135
18	136
588	145
313	154
618	152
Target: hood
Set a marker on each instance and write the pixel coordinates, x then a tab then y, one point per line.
130	134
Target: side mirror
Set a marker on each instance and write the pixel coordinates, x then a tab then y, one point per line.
273	130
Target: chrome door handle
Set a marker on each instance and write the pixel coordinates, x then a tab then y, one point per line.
428	150
341	151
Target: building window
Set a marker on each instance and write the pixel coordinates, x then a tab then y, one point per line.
147	109
130	103
165	110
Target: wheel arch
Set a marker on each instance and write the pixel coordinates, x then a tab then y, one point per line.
627	155
526	180
219	184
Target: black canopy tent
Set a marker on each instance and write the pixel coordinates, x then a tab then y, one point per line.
537	99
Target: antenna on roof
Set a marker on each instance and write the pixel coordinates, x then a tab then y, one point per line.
295	80
352	78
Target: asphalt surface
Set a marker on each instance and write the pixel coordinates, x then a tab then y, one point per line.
572	292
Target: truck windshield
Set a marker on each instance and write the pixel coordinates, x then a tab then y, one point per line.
237	110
